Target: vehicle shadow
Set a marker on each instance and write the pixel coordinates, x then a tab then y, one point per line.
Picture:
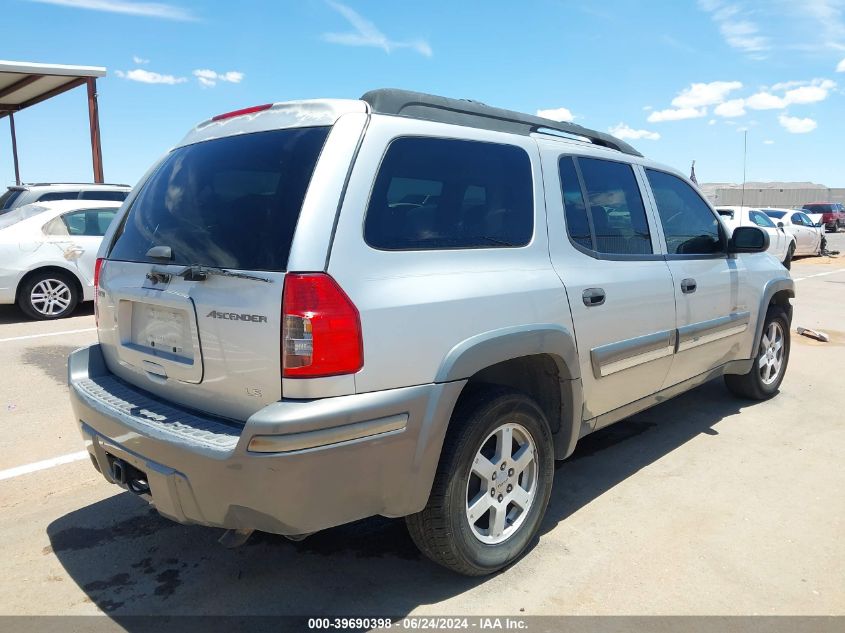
12	314
128	560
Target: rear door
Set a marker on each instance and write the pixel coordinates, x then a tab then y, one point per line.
778	240
619	288
806	235
191	291
712	310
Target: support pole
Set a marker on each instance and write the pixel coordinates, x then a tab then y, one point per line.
14	148
94	124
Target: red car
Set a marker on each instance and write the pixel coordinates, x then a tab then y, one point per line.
833	213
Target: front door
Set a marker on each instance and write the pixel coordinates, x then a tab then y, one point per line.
618	285
712	310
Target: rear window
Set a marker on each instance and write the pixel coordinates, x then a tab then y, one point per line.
820	208
232	202
116	196
433	193
776	214
58	195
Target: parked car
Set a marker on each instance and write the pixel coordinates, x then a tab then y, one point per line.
283	347
809	236
833	213
781	244
47	255
20	195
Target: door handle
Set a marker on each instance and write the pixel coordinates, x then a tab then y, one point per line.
688	286
593	297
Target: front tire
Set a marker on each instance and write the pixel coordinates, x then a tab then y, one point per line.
48	295
492	484
769	367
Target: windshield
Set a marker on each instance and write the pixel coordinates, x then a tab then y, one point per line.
13	216
232	202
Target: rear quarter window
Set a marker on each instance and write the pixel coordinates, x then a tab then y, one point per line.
231	202
433	193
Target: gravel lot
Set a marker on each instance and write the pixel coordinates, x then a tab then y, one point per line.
702	505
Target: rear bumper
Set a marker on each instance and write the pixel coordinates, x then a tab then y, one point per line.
335	460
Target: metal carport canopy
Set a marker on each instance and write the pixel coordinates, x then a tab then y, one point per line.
24	84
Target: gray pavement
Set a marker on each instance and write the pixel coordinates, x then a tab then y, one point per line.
702	505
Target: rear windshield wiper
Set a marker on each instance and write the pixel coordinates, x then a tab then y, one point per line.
196	272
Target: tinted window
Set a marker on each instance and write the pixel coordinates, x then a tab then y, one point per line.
8	198
616	207
231	202
796	218
117	196
820	208
807	220
58	195
776	214
726	213
443	193
92	222
761	219
688	223
577	224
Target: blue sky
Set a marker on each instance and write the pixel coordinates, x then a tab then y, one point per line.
679	80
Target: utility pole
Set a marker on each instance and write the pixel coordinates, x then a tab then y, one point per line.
744	164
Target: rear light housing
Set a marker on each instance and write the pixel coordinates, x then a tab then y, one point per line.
98	266
321	328
241	112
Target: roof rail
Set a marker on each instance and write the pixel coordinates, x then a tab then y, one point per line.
87	184
418	105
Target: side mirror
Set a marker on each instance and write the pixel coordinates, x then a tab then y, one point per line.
780	225
748	239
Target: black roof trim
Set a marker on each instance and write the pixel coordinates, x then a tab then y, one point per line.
418	105
23	186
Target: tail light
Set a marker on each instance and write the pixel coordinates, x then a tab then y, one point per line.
321	328
250	110
98	265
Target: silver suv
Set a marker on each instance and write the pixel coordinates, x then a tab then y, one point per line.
405	305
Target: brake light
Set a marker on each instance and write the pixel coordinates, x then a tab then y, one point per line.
98	265
321	328
234	113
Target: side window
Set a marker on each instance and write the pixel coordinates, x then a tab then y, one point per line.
761	219
807	220
433	193
116	196
577	223
797	219
92	222
616	207
689	225
57	195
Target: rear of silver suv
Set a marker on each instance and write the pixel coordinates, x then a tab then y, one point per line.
315	312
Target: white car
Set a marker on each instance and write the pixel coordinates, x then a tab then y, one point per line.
47	254
809	235
782	245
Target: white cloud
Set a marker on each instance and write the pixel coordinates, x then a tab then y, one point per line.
796	125
557	114
210	78
140	60
768	142
128	7
765	101
816	91
625	131
676	114
701	94
736	28
149	77
711	122
367	34
840	67
730	109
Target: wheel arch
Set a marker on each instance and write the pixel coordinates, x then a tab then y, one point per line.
776	292
540	360
80	289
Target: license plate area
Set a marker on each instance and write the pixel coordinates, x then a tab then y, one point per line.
161	332
159	335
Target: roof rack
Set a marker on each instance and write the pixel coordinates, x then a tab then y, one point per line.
87	184
418	105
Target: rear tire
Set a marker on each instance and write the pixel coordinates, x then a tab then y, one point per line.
769	366
492	485
787	261
48	295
